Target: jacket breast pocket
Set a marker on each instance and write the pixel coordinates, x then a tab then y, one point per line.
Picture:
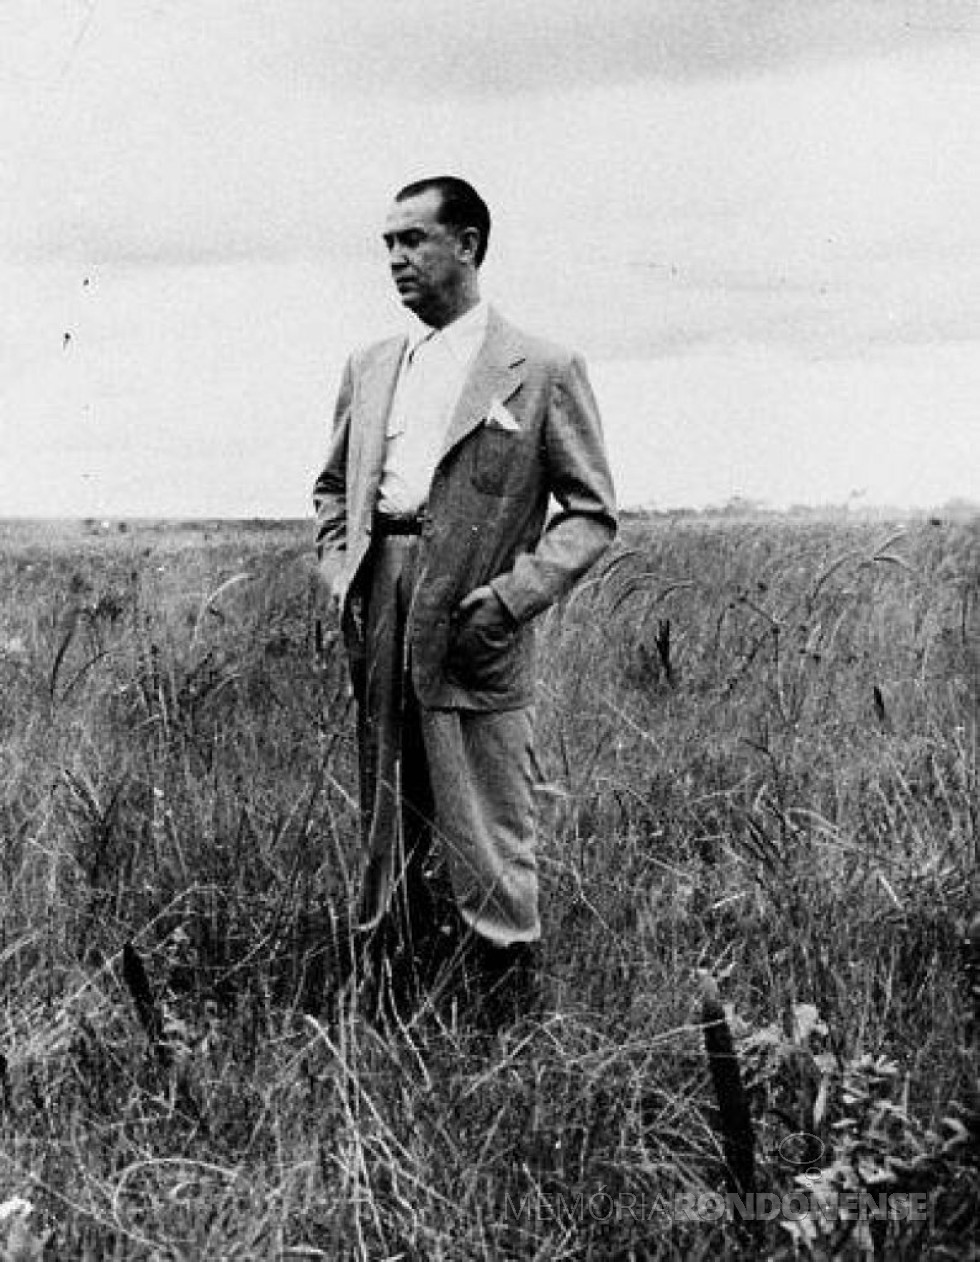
496	457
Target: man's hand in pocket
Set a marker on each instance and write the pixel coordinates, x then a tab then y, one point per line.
482	630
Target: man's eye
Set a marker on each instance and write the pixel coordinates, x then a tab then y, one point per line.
407	240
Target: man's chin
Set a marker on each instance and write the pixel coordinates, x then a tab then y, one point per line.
413	301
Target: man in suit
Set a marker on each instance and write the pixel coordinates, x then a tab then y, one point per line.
434	537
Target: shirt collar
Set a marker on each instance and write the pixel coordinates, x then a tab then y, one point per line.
461	337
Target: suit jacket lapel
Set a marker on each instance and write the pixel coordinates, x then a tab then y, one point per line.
495	374
376	389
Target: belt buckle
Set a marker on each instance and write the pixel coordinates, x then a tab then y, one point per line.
389	524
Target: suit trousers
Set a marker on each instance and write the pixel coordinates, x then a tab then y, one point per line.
447	791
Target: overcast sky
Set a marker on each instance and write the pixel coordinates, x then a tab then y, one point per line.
759	220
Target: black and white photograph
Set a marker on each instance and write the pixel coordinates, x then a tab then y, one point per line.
489	630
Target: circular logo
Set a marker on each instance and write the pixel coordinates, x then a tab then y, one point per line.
801	1149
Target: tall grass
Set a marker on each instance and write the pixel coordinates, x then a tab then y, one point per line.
758	760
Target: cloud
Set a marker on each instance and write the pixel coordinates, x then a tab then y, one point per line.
442	48
161	133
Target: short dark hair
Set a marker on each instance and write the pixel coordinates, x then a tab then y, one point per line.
461	206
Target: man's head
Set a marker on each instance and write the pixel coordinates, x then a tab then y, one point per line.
436	234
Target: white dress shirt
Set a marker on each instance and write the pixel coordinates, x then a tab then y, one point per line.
430	382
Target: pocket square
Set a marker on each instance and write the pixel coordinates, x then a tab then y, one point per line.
500	418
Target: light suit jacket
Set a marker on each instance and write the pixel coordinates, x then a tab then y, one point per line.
486	518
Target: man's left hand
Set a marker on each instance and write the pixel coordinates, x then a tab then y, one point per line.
479	596
483	608
483	629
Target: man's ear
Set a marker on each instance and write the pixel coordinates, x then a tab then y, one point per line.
468	242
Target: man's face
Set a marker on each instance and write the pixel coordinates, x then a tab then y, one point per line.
428	261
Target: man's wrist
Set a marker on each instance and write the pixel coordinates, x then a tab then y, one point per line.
505	609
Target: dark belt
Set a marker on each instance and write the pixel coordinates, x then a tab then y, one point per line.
385	525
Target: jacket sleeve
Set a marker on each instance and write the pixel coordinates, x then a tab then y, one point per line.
330	488
578	476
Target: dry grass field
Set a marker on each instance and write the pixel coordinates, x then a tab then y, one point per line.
758	760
